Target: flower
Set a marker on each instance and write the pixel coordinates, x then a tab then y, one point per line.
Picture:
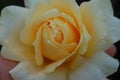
59	40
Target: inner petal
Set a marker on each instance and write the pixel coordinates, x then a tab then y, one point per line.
58	34
56	46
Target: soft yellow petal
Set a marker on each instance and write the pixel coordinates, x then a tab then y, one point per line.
68	6
72	9
38	47
52	51
71	34
12	20
84	40
69	19
52	66
42	8
104	5
33	23
29	71
68	47
95	22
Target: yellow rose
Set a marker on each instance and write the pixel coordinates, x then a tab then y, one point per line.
59	40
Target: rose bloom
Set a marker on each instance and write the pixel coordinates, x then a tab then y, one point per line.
59	40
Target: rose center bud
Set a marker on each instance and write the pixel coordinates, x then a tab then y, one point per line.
61	38
58	35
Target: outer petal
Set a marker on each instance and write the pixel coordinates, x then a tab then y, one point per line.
86	72
95	21
112	22
105	5
103	62
113	29
31	3
29	71
12	20
95	68
70	4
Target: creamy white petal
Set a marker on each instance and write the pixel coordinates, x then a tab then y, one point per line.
94	20
105	63
31	3
97	67
15	50
12	20
30	71
105	5
113	29
86	71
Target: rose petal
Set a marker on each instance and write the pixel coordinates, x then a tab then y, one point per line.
114	31
68	47
52	51
84	40
95	23
96	68
38	47
105	5
80	50
103	62
72	10
71	34
68	6
33	23
86	72
30	71
12	19
17	51
31	3
17	14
